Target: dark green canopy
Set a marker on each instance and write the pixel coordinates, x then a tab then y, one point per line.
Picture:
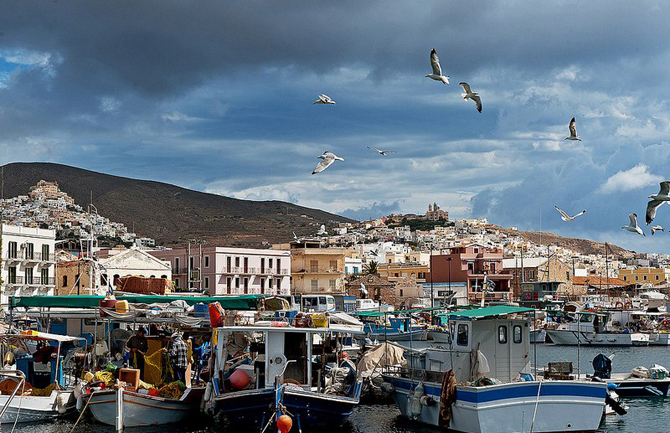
246	302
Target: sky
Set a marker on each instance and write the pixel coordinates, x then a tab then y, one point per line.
217	97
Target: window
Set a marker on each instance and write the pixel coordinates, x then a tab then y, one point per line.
567	275
29	275
314	266
228	285
516	337
314	286
116	279
64	278
44	277
269	283
401	293
237	262
625	278
246	265
656	277
462	335
191	262
278	284
355	269
331	284
644	278
246	285
278	265
263	285
228	264
12	275
502	334
262	265
270	263
164	276
103	279
30	250
237	282
176	265
12	253
45	252
333	265
207	261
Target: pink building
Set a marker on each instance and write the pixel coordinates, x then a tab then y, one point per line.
230	271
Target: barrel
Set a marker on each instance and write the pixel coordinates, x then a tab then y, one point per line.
200	310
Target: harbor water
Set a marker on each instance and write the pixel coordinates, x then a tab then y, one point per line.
644	415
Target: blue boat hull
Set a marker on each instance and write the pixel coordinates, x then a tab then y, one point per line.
251	410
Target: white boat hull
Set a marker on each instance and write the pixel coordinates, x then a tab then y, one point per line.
438	336
538	336
562	406
32	408
138	409
572	338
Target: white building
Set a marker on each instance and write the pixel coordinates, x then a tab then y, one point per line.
352	266
230	271
28	263
116	263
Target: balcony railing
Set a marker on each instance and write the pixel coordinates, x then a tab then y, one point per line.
24	256
239	270
318	271
35	280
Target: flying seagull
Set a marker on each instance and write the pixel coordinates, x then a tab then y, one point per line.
469	94
657	200
573	132
437	69
324	99
566	217
328	158
381	152
633	227
656	228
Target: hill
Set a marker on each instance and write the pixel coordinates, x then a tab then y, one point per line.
171	214
583	246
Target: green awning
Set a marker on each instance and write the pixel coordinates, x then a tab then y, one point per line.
373	313
246	302
498	310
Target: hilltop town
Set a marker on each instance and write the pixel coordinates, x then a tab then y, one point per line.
402	260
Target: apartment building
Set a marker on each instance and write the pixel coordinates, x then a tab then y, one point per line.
28	263
230	271
644	275
316	269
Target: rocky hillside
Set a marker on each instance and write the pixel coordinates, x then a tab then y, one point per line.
171	214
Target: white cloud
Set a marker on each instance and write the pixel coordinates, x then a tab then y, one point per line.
177	116
109	104
628	180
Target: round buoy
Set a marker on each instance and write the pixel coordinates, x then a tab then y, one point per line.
284	423
239	379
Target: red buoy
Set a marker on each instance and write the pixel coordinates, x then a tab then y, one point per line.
284	423
239	379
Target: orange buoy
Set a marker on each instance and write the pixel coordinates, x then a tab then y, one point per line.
239	379
284	423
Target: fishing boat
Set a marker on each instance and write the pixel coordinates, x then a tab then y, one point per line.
595	329
265	371
385	327
122	408
490	355
39	390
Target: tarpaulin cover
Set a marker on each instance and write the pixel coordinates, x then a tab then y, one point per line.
384	355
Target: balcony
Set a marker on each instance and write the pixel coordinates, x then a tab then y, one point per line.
35	280
317	271
23	256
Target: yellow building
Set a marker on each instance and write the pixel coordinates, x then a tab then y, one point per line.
315	269
645	275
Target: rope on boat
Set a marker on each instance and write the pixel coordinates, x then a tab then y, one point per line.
82	411
537	402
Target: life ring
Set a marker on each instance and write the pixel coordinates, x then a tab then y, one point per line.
291	381
618	305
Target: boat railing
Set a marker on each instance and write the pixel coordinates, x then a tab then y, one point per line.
21	384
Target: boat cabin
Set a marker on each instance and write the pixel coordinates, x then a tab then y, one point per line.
492	341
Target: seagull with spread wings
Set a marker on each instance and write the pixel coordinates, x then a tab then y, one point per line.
381	152
573	131
566	217
633	227
469	94
657	200
327	159
437	69
324	99
656	228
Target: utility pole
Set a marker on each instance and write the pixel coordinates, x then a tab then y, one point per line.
188	266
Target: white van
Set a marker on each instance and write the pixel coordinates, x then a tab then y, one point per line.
318	303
